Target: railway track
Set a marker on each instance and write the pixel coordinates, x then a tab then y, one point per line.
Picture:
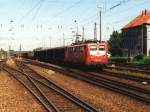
112	73
137	93
144	69
138	66
28	83
1	64
126	76
53	97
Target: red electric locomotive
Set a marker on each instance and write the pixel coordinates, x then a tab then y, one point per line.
87	53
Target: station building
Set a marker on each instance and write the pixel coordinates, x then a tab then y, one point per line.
136	35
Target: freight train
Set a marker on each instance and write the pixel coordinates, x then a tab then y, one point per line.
89	54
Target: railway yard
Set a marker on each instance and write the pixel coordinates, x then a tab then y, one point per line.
75	56
47	87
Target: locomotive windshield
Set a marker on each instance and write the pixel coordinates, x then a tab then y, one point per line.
93	48
101	48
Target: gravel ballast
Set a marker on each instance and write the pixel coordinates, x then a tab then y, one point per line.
16	98
101	98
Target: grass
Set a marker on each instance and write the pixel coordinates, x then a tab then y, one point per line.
135	60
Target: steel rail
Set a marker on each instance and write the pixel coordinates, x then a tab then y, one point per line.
118	83
136	70
145	68
49	106
127	76
44	80
68	96
121	87
96	82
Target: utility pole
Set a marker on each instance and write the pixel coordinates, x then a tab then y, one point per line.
77	33
50	42
63	39
82	33
20	51
95	31
50	37
9	48
100	23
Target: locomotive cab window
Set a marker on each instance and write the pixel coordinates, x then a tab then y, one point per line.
101	48
93	48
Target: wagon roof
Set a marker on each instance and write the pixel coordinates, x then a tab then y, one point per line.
50	48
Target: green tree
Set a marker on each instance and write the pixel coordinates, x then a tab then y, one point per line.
115	43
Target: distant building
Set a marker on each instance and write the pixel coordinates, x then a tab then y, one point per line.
137	35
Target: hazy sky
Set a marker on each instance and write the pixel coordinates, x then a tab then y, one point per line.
33	23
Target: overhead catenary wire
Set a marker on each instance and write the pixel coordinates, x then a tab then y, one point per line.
91	19
135	6
38	9
127	17
118	21
118	4
30	10
68	8
39	4
106	11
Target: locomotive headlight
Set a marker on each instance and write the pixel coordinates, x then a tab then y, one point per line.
98	53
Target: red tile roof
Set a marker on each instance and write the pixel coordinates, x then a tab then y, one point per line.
139	20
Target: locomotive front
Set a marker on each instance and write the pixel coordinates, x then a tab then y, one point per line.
97	54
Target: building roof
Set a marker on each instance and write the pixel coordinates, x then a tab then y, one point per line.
139	20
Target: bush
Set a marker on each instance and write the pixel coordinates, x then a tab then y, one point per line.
141	60
137	60
138	57
146	60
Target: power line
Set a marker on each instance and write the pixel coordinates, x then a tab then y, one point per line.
118	21
68	8
38	9
123	19
87	20
135	6
117	5
33	8
107	10
127	17
90	21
